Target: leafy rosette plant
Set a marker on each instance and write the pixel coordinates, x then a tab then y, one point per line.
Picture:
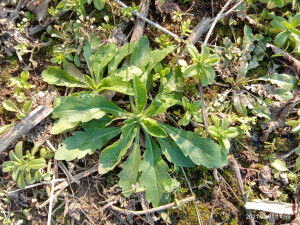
201	69
147	169
286	29
103	63
26	169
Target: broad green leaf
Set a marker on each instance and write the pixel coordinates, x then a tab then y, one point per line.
85	107
202	151
72	70
121	53
191	71
141	54
59	77
160	104
19	150
99	4
152	127
279	165
213	131
140	95
173	153
285	81
128	73
158	55
36	164
207	76
83	143
101	58
281	38
154	177
112	154
231	132
129	174
193	52
115	84
63	125
277	22
295	21
10	106
24	75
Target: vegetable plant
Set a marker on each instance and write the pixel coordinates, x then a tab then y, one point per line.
192	112
286	29
183	148
26	169
201	69
222	132
21	85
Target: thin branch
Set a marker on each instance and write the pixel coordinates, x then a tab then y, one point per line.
153	210
148	21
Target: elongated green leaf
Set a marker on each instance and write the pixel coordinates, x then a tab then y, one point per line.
157	56
174	154
130	171
121	53
36	164
160	104
140	95
277	22
152	127
193	52
202	151
115	84
85	107
295	21
19	149
112	154
279	165
20	179
87	54
10	106
89	82
101	58
5	128
141	53
285	81
154	177
13	157
59	77
83	143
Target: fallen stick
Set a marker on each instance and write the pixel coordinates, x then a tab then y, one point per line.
271	206
153	210
238	177
24	126
139	26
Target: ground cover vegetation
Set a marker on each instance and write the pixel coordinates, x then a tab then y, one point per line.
189	117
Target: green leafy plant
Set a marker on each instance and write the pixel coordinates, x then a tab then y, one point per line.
21	85
295	124
26	169
222	132
201	70
180	147
78	5
286	29
191	112
21	113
